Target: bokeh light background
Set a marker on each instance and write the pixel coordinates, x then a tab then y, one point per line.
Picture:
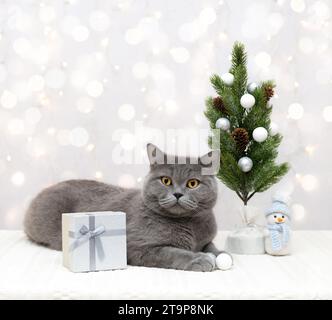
74	72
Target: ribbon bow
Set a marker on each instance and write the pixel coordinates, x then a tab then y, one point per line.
85	232
250	216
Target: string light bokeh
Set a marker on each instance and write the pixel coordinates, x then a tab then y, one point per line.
73	72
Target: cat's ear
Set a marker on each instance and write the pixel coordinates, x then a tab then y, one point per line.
210	157
210	162
156	156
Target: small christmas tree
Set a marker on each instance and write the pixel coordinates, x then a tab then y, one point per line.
248	141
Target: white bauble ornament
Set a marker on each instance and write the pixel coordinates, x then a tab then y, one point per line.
247	101
224	261
245	164
260	134
223	124
269	104
227	78
252	87
274	129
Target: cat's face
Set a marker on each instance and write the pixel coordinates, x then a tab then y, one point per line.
178	190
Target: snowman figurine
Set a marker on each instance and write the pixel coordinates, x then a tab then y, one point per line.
278	231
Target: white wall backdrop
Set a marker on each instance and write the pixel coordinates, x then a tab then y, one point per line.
77	77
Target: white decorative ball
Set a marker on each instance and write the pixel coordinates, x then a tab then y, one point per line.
252	87
274	129
245	164
224	261
247	101
228	78
223	124
260	134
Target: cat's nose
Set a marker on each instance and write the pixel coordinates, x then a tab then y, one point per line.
177	195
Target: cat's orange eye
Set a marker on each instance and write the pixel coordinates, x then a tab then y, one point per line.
166	181
192	183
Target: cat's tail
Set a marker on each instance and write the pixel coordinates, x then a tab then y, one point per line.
42	221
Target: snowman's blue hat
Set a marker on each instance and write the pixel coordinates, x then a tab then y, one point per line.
279	205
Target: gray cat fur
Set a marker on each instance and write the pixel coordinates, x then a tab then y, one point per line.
161	230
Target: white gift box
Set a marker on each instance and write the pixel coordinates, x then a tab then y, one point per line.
93	241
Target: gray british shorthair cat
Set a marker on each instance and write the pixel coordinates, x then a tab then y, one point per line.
170	223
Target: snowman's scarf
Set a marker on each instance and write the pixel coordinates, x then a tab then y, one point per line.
279	234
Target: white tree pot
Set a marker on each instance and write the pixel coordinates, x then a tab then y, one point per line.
246	240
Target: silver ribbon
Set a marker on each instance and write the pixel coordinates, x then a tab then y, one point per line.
93	234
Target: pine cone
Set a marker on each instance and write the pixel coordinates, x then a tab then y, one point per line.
241	138
218	103
269	92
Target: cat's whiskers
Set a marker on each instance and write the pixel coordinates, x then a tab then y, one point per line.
188	204
167	202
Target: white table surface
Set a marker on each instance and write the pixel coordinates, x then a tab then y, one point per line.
28	271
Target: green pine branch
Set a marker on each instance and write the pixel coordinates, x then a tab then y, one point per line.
217	84
239	56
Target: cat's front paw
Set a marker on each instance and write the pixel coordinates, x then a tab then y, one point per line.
204	262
